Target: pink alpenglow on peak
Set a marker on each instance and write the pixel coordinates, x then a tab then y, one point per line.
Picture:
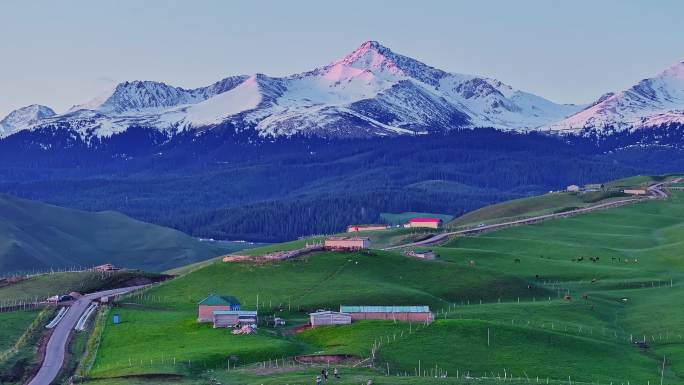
372	56
372	91
650	102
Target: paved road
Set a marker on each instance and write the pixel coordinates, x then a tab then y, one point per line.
56	347
655	191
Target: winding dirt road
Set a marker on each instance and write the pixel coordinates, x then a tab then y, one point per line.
56	346
655	192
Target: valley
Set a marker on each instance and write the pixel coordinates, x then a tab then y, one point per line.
569	299
358	193
38	238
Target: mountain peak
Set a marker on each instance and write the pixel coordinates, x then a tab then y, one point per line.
372	45
372	90
23	117
651	102
139	95
377	58
371	55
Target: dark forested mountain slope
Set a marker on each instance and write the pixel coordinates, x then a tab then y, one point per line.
232	185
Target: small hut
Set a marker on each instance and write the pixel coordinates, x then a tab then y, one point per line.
358	228
635	191
106	267
426	254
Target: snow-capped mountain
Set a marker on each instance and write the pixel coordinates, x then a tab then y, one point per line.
652	102
371	91
24	117
145	96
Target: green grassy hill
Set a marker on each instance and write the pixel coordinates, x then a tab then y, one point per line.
500	300
14	324
554	202
636	181
37	236
538	205
20	337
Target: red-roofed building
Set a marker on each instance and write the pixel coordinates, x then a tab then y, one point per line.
433	223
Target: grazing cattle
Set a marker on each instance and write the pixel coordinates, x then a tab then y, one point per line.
568	297
471	263
517	260
585	296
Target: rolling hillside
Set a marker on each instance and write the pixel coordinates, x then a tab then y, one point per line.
38	236
555	202
529	207
531	302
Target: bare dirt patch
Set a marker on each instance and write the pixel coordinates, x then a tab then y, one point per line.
326	359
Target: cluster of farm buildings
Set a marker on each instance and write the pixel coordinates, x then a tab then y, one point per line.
593	187
430	223
225	312
354	243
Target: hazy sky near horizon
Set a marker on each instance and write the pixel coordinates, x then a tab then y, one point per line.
61	53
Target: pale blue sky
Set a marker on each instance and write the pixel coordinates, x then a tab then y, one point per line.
60	53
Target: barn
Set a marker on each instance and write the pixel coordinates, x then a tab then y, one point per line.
394	313
214	302
432	223
327	318
231	318
347	243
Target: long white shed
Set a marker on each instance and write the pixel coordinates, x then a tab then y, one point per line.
327	318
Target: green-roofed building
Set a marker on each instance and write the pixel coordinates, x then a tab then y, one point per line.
396	313
213	303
